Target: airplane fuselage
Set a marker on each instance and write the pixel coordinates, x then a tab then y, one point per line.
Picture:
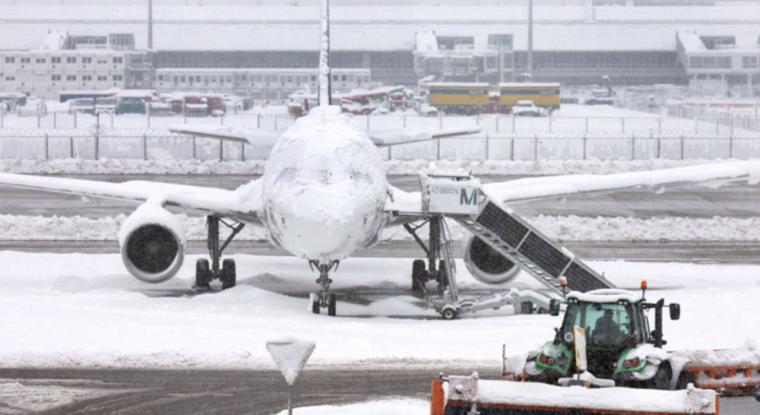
324	188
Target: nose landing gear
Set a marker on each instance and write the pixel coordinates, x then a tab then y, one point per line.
323	299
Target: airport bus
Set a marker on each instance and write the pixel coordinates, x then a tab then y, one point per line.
458	97
542	94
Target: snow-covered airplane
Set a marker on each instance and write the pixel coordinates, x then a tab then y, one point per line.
323	196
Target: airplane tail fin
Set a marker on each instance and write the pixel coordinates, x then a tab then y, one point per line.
325	79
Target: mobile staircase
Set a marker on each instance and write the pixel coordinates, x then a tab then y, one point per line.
460	197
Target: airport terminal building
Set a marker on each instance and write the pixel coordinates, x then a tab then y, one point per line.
265	48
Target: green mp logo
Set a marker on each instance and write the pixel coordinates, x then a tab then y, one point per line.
471	199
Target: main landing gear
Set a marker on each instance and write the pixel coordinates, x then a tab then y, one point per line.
439	268
206	272
323	299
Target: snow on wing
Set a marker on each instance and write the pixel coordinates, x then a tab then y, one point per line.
242	203
227	133
553	186
392	137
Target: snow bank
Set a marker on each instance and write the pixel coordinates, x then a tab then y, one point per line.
561	228
384	407
392	167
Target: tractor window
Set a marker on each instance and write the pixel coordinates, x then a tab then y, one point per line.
605	324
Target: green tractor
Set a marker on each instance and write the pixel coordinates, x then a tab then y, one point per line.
619	343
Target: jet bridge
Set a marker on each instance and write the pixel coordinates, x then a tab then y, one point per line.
461	197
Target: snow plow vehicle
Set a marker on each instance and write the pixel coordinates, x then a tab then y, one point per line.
619	346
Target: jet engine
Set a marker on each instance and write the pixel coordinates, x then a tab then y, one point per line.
152	243
486	264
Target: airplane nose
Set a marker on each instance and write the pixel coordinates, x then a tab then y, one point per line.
321	225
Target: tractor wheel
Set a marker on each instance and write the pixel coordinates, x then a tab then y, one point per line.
662	378
684	379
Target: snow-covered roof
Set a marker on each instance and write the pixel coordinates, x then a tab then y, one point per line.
372	28
528	84
607	295
745	40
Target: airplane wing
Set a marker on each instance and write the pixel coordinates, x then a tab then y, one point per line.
253	137
242	203
259	137
558	186
406	205
393	137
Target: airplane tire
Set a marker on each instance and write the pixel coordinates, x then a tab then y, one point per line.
331	305
419	275
314	304
202	274
229	274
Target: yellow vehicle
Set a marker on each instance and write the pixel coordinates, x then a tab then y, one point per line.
543	94
458	97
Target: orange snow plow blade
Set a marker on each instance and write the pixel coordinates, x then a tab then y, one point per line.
730	371
467	394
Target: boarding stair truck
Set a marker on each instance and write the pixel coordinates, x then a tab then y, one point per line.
502	244
621	347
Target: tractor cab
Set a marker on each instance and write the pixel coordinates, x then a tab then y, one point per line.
619	344
613	321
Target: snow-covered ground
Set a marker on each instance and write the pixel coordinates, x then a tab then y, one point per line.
31	397
562	228
77	310
384	407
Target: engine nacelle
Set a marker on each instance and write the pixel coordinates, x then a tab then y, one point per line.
486	264
152	243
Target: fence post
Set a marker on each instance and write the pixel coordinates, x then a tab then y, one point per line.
55	119
97	146
586	129
145	146
535	147
76	117
221	150
437	149
195	154
633	147
242	151
487	147
39	120
258	120
731	146
148	110
585	144
71	147
184	111
682	147
47	146
390	152
659	144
